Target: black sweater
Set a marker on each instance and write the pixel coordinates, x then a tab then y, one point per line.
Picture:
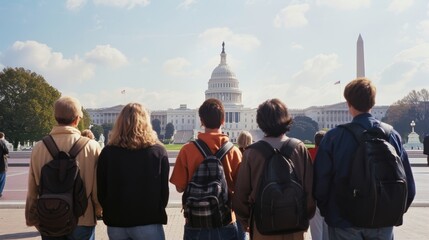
132	185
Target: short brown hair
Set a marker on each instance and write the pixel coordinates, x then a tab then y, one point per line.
67	109
1	134
360	93
212	113
273	118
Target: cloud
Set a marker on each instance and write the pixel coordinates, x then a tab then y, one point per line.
292	16
75	4
399	6
214	36
144	60
40	58
122	3
296	46
176	67
420	51
345	4
106	55
186	4
316	69
423	28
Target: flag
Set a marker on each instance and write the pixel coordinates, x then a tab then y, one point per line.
337	82
123	91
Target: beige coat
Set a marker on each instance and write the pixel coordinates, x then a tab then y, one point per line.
247	182
64	137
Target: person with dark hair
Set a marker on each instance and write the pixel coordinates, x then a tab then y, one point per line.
68	113
334	157
317	139
212	116
4	151
132	178
426	147
318	226
274	120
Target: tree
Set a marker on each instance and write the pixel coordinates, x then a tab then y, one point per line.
303	128
85	122
26	105
97	130
107	127
169	130
156	125
413	107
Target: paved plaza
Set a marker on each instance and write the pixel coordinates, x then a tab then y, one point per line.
12	221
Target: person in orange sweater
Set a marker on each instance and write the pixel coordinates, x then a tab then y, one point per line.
212	116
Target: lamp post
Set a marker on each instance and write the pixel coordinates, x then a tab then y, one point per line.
412	124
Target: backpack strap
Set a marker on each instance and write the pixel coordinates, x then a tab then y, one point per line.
202	147
289	146
224	149
54	150
387	129
51	145
356	129
205	150
78	146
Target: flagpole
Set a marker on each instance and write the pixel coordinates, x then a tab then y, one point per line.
123	93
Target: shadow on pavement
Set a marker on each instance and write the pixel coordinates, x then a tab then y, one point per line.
21	235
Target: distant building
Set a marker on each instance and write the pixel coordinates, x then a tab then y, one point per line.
224	85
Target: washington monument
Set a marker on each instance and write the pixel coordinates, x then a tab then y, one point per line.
360	59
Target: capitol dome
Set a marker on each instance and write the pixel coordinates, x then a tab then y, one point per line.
223	84
222	71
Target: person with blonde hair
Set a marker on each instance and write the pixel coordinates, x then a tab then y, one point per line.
132	178
244	139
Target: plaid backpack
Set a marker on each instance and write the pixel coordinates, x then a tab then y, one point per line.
205	200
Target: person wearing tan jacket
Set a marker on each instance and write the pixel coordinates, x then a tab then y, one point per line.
274	120
68	113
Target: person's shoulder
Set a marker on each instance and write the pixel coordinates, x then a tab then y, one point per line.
92	144
158	147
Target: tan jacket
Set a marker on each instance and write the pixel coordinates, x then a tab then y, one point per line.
248	179
64	137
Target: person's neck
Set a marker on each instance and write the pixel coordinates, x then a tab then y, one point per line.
212	130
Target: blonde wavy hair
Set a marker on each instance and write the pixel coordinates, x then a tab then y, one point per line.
132	128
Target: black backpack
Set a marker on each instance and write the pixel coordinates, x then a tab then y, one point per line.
205	200
281	202
62	195
374	193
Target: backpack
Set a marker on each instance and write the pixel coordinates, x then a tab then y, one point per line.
374	193
62	195
281	201
205	200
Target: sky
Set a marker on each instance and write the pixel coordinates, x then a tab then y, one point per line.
161	53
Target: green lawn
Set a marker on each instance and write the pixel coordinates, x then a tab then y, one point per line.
173	146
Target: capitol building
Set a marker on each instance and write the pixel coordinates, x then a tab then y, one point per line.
224	85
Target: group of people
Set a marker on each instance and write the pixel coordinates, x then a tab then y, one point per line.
127	181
